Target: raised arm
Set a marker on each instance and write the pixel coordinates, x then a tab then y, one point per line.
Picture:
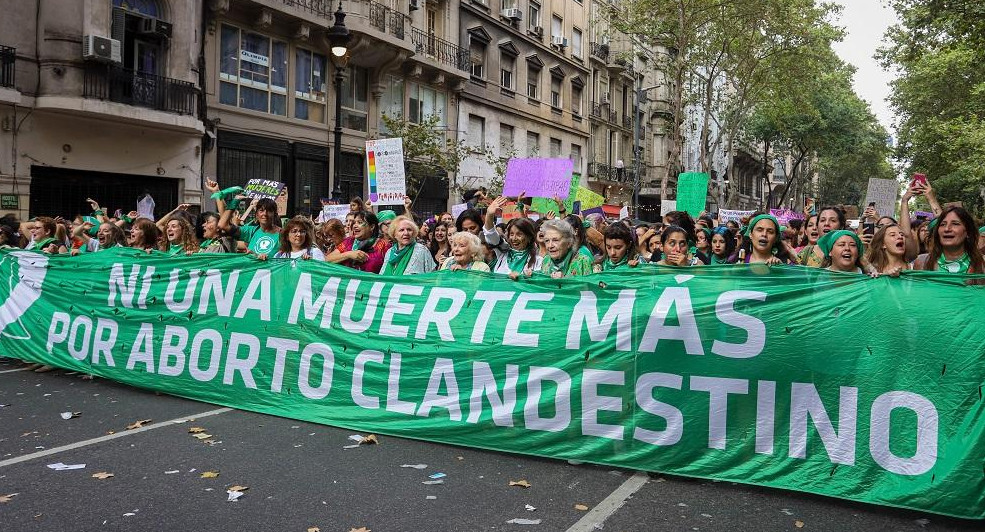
163	222
935	206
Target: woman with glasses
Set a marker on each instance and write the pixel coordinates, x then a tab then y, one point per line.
297	241
364	250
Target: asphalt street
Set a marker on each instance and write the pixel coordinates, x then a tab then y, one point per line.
173	472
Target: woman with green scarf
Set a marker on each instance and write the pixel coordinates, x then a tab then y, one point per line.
953	245
364	250
43	239
406	256
763	244
562	259
620	250
516	253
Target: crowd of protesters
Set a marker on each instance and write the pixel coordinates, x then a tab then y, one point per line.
558	244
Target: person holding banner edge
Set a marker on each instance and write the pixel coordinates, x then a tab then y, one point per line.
406	256
517	252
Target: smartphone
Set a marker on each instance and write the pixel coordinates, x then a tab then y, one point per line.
868	228
920	179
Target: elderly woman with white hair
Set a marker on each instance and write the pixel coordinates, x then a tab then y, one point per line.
562	260
406	256
467	253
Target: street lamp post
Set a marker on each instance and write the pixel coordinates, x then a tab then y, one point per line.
641	99
338	37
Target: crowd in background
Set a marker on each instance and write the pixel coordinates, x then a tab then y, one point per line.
556	243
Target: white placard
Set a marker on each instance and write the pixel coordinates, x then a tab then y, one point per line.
624	213
883	192
725	216
335	211
458	209
251	57
667	206
387	182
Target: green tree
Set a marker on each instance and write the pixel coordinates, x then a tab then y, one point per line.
428	149
938	48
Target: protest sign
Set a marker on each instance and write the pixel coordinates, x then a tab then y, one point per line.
593	210
667	206
785	215
589	199
337	212
725	216
458	209
263	188
692	192
883	193
540	178
923	214
509	211
727	374
624	212
543	205
385	161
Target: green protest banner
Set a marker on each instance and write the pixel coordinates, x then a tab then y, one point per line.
692	191
794	378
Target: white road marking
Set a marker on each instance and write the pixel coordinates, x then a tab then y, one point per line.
593	520
15	370
108	437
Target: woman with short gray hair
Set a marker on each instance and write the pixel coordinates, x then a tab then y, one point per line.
562	260
467	253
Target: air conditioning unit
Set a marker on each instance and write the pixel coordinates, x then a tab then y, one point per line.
153	26
104	49
538	31
414	5
512	13
559	41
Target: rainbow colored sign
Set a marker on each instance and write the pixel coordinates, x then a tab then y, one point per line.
385	162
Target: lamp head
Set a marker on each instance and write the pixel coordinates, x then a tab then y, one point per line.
338	34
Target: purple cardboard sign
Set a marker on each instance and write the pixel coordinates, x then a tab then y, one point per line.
538	178
785	215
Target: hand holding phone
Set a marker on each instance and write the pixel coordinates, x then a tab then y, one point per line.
920	180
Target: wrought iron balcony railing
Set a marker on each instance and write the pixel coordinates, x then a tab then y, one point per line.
441	50
596	110
627	122
601	171
322	8
116	84
8	56
599	50
386	20
613	117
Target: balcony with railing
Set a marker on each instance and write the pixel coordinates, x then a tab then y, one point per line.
322	8
599	51
627	122
601	171
386	19
121	85
441	51
614	117
596	110
8	57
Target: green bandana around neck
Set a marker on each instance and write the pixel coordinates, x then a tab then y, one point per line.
565	263
517	260
961	265
399	259
357	244
609	265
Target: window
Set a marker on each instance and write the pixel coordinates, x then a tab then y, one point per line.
576	43
476	133
555	92
507	65
555	147
533	14
576	98
477	52
253	71
309	85
576	157
392	101
533	82
505	140
425	102
355	92
533	144
557	26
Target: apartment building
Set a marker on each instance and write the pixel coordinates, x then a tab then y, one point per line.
99	99
528	86
271	90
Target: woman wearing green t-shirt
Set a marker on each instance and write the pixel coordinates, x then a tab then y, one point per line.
262	238
179	238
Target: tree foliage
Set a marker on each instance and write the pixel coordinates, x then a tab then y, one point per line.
428	149
938	49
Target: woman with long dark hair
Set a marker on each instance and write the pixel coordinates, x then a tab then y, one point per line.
722	250
144	235
515	253
364	250
829	219
953	244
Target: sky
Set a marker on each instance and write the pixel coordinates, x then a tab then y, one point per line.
866	22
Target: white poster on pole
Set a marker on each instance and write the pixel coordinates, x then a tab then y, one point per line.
385	161
337	212
458	209
667	206
883	193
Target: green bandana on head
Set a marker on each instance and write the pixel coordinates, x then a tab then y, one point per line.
385	216
827	242
981	230
761	217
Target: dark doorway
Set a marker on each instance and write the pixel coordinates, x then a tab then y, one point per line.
63	192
